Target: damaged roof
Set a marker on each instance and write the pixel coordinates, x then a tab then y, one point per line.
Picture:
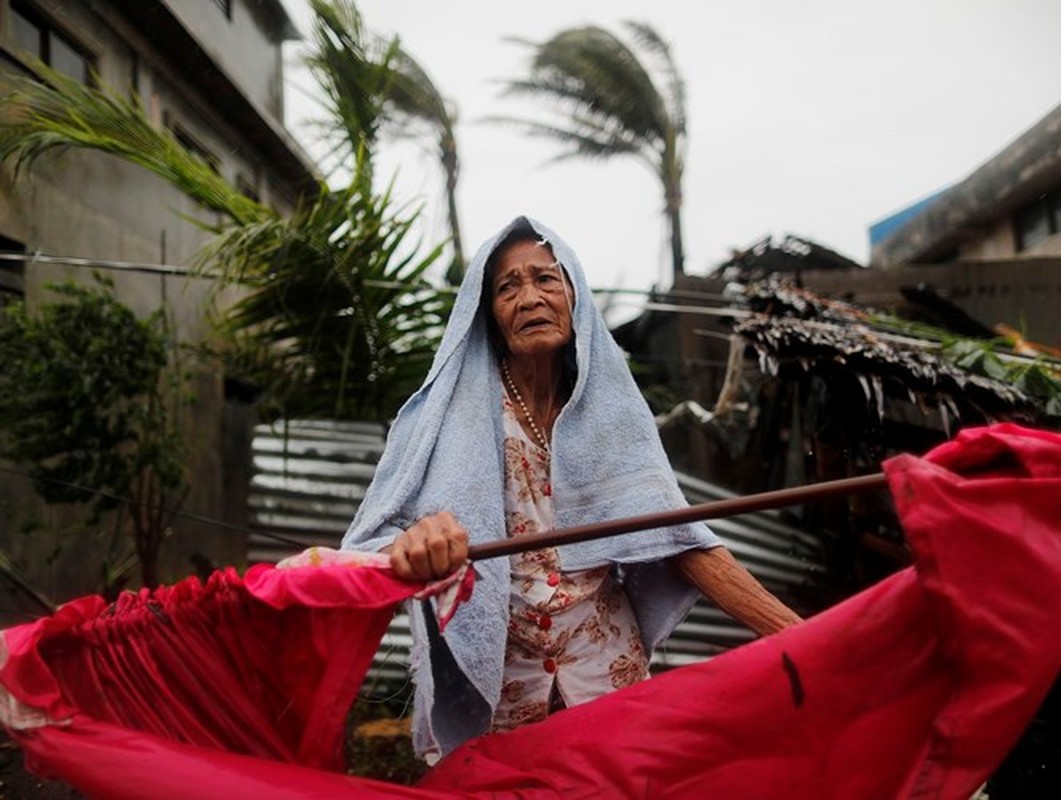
792	326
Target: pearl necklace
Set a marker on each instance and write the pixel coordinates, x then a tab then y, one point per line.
538	434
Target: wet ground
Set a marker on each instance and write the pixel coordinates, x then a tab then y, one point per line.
18	783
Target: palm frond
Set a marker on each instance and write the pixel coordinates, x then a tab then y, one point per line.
354	70
654	46
52	112
610	98
337	320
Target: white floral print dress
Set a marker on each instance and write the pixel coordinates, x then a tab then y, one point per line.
572	636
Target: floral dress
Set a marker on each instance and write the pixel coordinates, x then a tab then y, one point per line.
572	636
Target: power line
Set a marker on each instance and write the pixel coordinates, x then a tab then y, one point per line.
182	271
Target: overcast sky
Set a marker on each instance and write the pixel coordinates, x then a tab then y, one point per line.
816	118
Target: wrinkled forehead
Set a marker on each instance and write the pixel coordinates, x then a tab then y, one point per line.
526	249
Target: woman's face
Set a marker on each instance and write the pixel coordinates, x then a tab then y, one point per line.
529	299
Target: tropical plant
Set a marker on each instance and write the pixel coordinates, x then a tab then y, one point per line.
354	71
611	98
1035	379
81	405
372	333
335	320
371	86
51	112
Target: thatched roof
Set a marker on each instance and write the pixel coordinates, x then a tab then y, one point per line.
794	327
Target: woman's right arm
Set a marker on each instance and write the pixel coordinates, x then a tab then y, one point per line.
431	548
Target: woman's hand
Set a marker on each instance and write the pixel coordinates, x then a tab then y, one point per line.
432	548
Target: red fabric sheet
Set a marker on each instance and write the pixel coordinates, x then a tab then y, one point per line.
915	688
265	665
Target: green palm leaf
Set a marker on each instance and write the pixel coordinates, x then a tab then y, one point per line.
371	85
52	112
311	327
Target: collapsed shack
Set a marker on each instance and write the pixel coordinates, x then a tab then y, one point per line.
818	389
809	389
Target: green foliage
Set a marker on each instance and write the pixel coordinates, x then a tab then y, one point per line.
51	112
314	328
336	321
370	86
81	384
354	71
1033	378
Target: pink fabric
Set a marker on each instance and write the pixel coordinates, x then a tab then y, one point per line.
915	688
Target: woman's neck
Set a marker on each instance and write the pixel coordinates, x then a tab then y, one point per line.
539	381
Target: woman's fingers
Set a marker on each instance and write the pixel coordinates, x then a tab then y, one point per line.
432	548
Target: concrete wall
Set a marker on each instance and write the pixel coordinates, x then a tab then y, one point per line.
244	46
91	206
999	241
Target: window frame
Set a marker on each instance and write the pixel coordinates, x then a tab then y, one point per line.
47	31
190	142
1045	212
225	7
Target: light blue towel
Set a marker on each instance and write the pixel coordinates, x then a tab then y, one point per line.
444	452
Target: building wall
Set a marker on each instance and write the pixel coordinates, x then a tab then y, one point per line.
242	44
86	205
119	211
1051	246
998	240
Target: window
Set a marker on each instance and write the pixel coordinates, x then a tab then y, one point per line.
1038	220
247	187
33	33
191	144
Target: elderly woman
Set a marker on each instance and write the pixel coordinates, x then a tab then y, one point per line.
528	420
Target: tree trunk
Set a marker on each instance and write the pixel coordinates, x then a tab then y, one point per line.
450	163
671	173
674	215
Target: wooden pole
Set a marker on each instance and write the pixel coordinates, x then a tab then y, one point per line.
679	516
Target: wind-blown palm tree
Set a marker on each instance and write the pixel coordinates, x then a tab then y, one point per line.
354	71
412	98
371	85
611	99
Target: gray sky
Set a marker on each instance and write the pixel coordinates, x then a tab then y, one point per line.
816	117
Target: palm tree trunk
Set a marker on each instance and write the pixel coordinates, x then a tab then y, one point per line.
671	173
451	164
674	215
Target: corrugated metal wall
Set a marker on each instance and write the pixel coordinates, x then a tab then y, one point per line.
309	477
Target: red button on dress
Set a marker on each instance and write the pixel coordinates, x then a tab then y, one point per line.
553	579
549	665
545	622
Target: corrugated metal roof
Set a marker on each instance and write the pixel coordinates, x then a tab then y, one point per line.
310	476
